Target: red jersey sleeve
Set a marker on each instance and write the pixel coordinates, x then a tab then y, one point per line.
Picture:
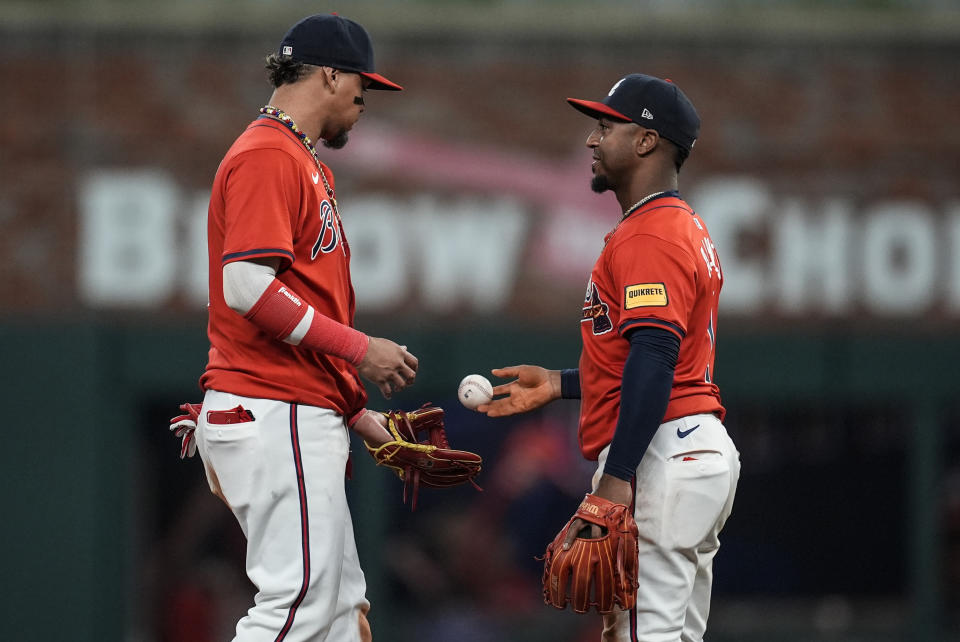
656	286
261	200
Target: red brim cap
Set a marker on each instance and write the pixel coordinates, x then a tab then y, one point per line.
379	82
596	110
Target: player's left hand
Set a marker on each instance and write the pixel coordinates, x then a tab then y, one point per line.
184	426
593	568
612	488
372	427
420	454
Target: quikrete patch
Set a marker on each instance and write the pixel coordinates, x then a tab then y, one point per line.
644	295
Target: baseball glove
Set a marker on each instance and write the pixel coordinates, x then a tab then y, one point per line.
600	572
427	461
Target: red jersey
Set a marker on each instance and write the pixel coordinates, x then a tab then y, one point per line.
658	269
269	200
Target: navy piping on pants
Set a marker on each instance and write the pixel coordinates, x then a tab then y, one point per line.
304	524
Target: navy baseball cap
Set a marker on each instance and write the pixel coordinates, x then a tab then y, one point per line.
327	40
649	102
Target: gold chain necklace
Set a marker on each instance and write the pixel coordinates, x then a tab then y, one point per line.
630	210
633	208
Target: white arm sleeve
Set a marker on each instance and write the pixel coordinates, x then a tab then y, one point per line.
244	282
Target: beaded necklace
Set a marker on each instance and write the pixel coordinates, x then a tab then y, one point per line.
280	116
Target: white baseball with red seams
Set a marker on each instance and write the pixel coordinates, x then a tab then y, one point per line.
475	390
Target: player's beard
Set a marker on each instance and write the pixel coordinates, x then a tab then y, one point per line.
338	141
599	183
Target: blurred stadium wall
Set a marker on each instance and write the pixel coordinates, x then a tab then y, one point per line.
828	172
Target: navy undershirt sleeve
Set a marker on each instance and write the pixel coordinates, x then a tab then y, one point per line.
644	395
570	383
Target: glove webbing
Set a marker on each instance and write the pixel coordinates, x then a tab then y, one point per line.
409	473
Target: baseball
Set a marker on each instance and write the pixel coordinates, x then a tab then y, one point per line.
474	390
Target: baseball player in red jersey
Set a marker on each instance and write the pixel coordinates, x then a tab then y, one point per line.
650	411
283	378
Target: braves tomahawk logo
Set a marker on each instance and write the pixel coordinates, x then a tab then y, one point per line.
596	311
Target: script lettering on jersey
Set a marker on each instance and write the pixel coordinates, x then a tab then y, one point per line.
329	235
596	311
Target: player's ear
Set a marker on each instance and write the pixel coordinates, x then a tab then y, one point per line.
646	141
330	77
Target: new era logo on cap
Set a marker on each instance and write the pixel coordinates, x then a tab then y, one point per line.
651	102
287	51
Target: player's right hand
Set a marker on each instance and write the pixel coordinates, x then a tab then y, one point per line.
532	388
389	366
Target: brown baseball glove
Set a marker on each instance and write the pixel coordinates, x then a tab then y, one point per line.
426	460
600	572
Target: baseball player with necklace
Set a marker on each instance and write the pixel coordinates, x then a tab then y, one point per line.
640	547
282	381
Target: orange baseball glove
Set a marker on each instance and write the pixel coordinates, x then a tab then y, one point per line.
600	572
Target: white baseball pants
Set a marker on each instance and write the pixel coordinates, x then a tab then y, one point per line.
686	483
280	468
